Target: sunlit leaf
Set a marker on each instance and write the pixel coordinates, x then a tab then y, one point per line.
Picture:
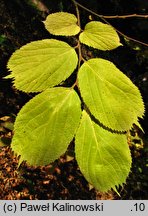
62	23
42	64
103	157
110	95
100	36
46	125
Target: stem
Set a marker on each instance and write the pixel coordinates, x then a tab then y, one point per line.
114	16
79	44
77	11
79	24
124	35
125	16
111	17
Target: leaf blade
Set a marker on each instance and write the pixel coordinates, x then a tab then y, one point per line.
42	64
110	96
62	23
100	36
42	134
103	157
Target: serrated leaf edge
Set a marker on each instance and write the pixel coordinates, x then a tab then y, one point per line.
71	24
119	44
10	76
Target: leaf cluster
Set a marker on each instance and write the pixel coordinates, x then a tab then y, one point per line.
111	103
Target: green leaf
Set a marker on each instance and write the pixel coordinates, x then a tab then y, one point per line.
62	23
42	64
110	95
100	36
103	157
46	125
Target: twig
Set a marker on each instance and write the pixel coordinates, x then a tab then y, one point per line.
114	16
125	16
124	35
77	11
111	17
79	24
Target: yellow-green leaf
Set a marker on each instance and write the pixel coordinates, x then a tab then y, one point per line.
46	125
110	95
62	23
103	157
100	36
42	64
